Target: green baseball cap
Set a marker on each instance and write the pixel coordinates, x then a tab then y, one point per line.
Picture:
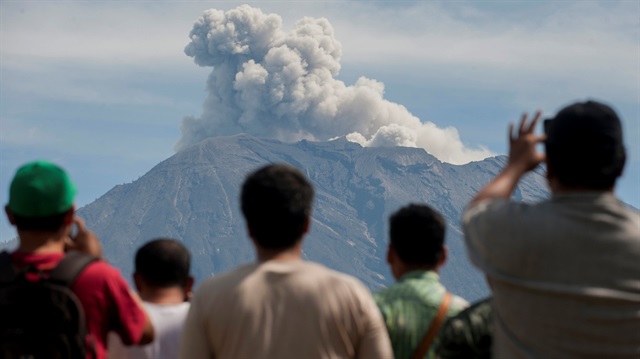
40	189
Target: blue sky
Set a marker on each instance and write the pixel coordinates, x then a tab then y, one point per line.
101	87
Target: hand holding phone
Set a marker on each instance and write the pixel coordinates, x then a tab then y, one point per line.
83	240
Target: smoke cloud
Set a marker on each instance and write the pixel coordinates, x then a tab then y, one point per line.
271	83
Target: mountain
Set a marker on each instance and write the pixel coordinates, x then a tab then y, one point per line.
194	196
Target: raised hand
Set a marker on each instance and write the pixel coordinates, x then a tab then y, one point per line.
522	145
84	240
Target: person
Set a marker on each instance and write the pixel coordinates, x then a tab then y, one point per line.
415	254
282	306
162	278
468	335
564	272
41	206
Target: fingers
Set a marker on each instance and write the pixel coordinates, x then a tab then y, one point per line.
534	122
511	136
524	127
79	222
523	124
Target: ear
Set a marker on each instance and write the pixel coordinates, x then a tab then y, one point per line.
249	231
307	226
138	281
188	289
10	217
624	161
391	254
443	257
68	217
552	179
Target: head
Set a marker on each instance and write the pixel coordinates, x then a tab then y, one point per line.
41	198
276	202
416	235
163	263
584	147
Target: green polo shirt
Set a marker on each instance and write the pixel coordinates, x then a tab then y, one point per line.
409	306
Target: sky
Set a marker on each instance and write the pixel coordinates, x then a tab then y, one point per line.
110	89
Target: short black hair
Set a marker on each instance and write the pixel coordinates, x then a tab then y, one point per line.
417	233
40	224
163	263
584	145
276	202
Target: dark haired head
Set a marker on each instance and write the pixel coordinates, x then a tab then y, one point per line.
584	146
417	234
276	202
42	224
163	263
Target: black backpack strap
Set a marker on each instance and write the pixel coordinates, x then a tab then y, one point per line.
8	272
70	267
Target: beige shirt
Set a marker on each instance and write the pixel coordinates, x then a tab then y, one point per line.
284	309
565	275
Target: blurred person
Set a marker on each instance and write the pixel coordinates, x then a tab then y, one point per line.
41	206
162	278
565	272
416	305
468	335
282	306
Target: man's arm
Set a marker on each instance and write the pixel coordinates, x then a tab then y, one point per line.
87	242
375	342
523	157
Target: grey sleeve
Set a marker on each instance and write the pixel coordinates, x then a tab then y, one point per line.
489	232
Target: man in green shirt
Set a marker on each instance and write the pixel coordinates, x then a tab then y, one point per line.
416	252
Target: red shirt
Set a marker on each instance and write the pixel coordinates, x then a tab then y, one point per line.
104	295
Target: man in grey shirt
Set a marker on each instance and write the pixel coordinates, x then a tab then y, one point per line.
565	273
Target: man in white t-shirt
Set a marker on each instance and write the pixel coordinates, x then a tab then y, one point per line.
163	281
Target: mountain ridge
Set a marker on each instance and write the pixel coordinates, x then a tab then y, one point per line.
193	196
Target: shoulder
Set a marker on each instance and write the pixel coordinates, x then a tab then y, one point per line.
458	304
468	334
100	270
225	280
101	277
330	278
498	208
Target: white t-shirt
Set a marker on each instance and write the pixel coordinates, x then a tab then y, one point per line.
167	321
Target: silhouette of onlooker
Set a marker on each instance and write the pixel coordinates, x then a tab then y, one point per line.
411	306
468	335
162	278
41	206
565	272
282	306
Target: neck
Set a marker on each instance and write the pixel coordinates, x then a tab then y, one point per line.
558	188
288	254
42	242
163	296
405	268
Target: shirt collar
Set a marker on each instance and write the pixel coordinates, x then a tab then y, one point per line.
420	274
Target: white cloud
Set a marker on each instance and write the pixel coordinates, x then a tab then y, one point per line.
540	54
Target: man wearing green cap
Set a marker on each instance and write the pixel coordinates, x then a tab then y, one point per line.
41	207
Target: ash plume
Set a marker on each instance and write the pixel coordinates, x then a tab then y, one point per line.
272	83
